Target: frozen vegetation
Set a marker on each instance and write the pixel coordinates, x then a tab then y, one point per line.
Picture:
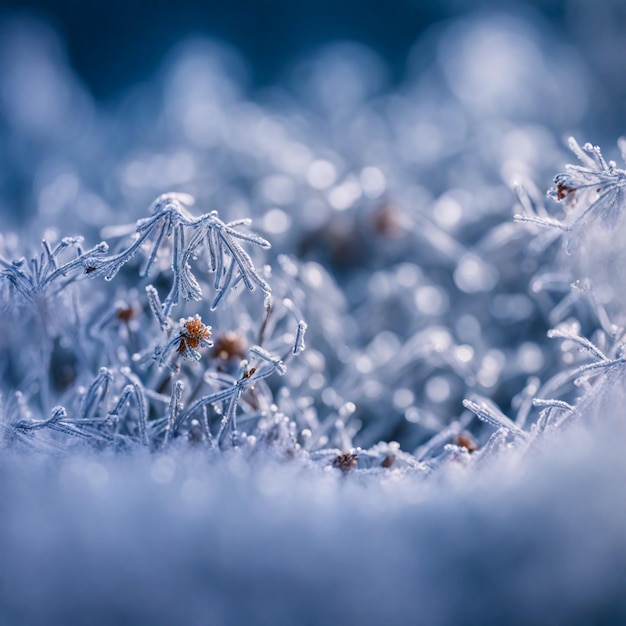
321	353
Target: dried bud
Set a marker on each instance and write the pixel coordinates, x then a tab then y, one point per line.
126	312
193	334
467	441
388	461
346	461
563	191
230	345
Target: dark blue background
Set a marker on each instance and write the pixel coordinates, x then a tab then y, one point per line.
115	43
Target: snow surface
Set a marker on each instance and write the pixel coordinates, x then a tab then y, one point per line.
532	537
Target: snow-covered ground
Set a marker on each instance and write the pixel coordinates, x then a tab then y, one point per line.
533	538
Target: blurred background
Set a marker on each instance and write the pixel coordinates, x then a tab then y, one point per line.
113	44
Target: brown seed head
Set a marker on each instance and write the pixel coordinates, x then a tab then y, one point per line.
126	313
563	191
467	441
387	462
346	461
249	373
229	346
192	334
195	329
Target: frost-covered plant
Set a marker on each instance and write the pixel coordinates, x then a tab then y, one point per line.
150	370
369	187
368	197
592	190
595	205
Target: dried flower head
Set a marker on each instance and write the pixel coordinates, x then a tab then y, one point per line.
193	334
563	191
230	345
467	441
387	462
346	461
249	373
126	312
